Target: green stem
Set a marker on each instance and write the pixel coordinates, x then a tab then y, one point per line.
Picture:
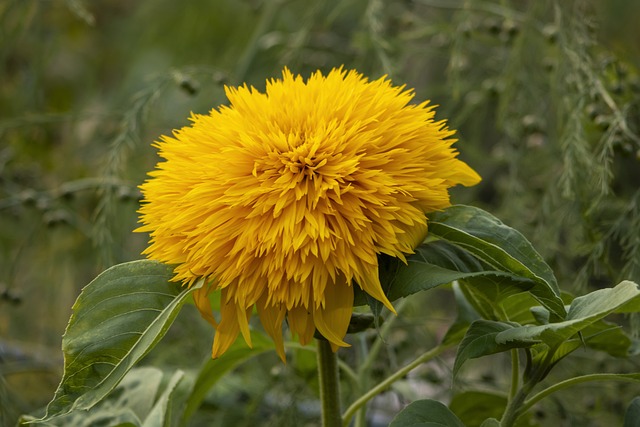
515	406
515	373
329	384
348	414
577	380
513	410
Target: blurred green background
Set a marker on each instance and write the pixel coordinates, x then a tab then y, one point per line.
544	95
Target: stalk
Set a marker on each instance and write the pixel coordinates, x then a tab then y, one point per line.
329	384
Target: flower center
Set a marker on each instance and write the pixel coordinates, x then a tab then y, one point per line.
302	161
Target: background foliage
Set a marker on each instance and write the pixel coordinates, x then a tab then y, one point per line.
544	95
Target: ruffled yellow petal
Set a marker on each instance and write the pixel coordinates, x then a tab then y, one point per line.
201	300
332	319
301	324
370	283
287	198
229	327
271	318
464	175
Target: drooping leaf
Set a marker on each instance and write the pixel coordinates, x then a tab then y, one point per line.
480	340
426	413
583	312
117	319
437	263
502	247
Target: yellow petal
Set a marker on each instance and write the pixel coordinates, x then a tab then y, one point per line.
301	323
370	283
201	299
243	316
271	317
228	329
333	319
465	175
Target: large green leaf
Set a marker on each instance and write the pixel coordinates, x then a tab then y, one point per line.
583	312
438	262
117	319
501	247
426	413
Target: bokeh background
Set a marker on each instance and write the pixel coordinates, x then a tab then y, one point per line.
544	95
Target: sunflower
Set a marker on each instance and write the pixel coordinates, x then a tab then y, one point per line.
283	200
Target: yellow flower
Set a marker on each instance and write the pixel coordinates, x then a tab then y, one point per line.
284	199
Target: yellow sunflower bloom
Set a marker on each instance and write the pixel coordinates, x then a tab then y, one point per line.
283	200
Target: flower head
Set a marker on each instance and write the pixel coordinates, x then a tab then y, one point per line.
284	199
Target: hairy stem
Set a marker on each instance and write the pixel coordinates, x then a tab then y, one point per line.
329	384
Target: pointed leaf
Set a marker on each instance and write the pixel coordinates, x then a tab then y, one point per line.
117	319
480	340
583	312
426	413
502	247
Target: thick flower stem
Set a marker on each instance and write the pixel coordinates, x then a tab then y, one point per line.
329	384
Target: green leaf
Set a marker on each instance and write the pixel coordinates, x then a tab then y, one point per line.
583	312
439	262
117	319
160	413
426	413
488	294
214	369
608	337
474	407
130	402
465	316
480	340
632	416
502	247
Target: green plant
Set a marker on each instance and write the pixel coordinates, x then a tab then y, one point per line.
509	302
